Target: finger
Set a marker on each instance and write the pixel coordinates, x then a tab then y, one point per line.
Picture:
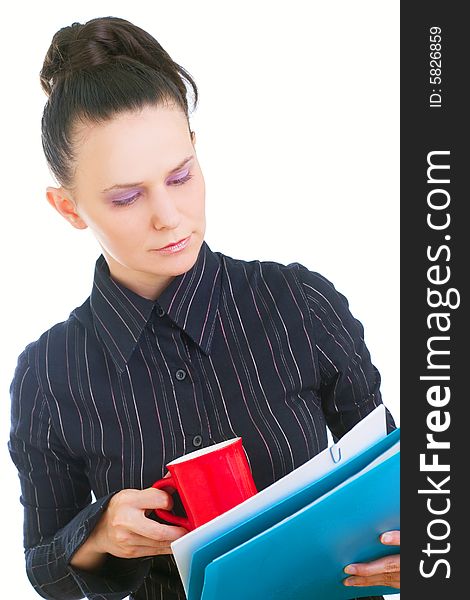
134	539
150	549
141	551
387	564
391	538
132	545
157	531
152	498
169	506
387	579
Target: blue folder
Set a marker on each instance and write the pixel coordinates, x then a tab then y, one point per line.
298	547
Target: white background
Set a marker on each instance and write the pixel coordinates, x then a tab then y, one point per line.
298	139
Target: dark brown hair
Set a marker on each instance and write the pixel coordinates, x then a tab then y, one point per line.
96	70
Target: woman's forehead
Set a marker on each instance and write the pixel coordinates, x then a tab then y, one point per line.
157	139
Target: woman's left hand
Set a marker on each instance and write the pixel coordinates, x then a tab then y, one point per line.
383	571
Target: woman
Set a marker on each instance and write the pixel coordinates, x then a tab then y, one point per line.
177	346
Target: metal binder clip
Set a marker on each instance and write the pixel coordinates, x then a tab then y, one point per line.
335	452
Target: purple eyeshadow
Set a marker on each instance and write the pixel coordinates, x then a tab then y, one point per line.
179	176
130	196
122	200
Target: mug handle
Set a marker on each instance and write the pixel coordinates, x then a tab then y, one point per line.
166	514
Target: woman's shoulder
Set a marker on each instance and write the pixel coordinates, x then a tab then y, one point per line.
52	341
276	271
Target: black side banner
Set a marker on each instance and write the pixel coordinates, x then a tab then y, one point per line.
435	230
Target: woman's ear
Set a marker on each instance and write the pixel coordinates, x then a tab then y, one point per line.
193	137
59	199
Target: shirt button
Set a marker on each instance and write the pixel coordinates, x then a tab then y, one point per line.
197	441
180	374
160	311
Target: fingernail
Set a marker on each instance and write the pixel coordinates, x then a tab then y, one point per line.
386	538
350	570
348	581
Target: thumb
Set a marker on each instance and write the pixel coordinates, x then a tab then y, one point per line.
151	498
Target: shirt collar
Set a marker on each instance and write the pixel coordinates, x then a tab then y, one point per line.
190	300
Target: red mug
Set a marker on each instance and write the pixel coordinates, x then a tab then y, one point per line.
209	481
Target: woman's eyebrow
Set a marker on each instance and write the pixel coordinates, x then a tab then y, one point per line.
118	186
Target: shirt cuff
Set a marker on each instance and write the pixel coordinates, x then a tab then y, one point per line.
117	577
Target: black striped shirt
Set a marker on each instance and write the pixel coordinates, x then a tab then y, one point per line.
104	400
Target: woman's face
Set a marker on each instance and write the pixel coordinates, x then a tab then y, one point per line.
131	192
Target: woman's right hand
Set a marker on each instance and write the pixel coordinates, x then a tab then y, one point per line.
125	531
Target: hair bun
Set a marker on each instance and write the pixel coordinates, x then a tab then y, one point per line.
97	42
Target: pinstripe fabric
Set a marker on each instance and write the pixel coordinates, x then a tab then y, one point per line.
103	400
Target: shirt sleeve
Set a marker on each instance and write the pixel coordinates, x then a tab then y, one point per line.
350	383
56	497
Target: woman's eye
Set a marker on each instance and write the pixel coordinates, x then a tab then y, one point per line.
182	180
132	199
126	201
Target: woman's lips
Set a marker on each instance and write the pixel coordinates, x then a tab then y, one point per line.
176	247
174	244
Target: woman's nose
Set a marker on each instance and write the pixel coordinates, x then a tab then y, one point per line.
165	213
